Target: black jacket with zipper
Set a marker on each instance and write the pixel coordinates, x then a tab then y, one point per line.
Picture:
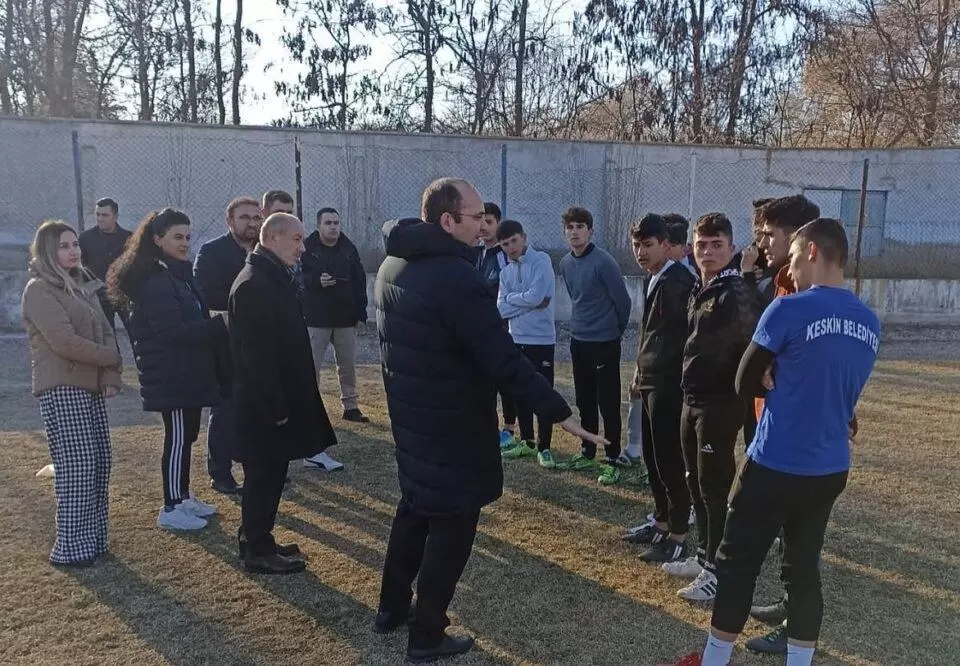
663	330
722	316
344	304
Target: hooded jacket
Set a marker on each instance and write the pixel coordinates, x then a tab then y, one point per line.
444	351
721	316
345	303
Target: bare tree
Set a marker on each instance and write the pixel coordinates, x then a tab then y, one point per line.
237	62
218	61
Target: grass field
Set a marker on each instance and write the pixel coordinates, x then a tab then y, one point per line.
549	582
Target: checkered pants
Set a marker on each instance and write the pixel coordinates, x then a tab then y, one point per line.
79	438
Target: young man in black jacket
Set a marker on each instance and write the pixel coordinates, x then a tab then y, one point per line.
217	265
722	313
334	305
100	247
444	352
656	387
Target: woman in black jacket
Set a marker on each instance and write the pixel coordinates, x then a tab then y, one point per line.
175	344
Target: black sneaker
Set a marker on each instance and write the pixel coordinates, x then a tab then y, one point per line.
227	486
645	535
355	415
666	550
773	643
773	614
450	646
385	622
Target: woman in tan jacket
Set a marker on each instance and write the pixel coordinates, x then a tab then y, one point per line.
76	364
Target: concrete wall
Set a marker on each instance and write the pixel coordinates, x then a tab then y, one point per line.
373	177
919	302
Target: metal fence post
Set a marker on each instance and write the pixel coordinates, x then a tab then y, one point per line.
298	175
503	179
77	177
693	185
861	216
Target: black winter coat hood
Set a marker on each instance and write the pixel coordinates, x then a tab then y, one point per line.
412	238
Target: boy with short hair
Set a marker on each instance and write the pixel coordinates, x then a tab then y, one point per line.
600	311
526	302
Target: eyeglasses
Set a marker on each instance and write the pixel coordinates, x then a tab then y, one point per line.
478	217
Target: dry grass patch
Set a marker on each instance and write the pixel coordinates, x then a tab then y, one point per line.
549	582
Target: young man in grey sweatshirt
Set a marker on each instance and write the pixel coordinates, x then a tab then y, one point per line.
600	312
526	302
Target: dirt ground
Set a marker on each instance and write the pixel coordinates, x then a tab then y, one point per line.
549	582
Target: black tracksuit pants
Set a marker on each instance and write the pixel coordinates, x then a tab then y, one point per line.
596	385
764	502
663	456
708	430
435	547
542	358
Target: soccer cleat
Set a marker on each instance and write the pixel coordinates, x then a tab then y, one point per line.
578	463
666	550
323	462
636	528
507	440
703	589
690	660
773	614
198	508
521	450
609	475
647	534
773	643
688	568
179	518
626	460
355	416
545	458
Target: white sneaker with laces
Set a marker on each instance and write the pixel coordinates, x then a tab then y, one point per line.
198	508
688	568
637	528
180	518
704	588
323	462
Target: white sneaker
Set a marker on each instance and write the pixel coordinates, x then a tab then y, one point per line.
688	568
198	508
637	528
180	518
704	588
47	472
323	462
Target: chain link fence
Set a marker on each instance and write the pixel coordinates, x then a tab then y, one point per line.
909	199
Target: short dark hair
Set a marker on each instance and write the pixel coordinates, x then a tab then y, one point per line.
107	202
677	234
713	224
509	228
788	213
241	201
577	215
441	196
676	218
272	196
650	225
490	208
326	209
828	235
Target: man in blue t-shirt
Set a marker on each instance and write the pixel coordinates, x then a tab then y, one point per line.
810	357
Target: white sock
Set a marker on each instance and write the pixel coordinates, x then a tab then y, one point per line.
717	652
799	656
634	450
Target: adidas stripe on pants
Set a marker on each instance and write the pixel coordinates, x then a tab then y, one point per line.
180	430
79	439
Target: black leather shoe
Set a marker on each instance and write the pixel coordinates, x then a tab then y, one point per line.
450	646
773	614
386	623
355	415
226	486
286	550
273	564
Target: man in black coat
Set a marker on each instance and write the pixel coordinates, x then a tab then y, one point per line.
216	267
280	415
444	352
100	247
334	305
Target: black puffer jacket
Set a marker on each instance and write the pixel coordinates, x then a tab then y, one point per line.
722	316
344	304
444	351
174	339
663	331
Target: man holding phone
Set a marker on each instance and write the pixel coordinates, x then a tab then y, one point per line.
334	305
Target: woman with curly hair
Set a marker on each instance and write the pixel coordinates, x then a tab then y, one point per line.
174	341
76	364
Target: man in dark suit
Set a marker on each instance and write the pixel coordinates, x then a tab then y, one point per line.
100	247
279	413
216	267
444	352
